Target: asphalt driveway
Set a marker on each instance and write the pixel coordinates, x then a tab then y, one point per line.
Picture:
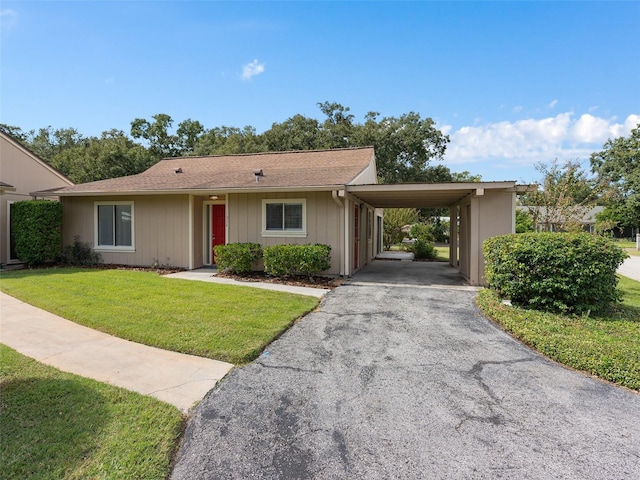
398	376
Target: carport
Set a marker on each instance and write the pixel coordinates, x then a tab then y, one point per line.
482	210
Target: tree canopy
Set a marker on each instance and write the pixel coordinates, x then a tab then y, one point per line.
406	146
618	164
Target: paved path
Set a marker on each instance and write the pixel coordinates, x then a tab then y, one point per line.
631	268
403	378
178	379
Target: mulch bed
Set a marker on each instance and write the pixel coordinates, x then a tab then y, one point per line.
295	280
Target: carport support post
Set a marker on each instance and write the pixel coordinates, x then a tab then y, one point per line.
474	244
453	236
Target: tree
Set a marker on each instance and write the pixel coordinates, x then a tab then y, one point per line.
564	197
404	147
112	155
394	221
162	143
228	140
15	132
524	222
295	133
618	166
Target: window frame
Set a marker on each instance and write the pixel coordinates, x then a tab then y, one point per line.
113	248
284	232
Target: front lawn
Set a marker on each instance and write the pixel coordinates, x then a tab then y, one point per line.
222	322
59	425
605	346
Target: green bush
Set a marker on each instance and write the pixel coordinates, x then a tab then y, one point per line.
423	249
558	272
237	257
80	253
421	230
286	260
37	230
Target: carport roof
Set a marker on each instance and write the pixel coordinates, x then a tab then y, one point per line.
426	195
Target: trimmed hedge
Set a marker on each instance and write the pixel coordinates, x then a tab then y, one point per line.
286	260
37	230
237	257
558	272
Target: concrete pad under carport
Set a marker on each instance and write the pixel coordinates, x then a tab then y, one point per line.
481	210
411	273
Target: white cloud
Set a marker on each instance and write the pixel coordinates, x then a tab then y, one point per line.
528	141
252	69
553	103
8	19
517	109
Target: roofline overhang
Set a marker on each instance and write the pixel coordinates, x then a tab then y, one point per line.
426	187
196	191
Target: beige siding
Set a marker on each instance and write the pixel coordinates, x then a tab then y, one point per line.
26	173
496	217
161	224
482	217
323	221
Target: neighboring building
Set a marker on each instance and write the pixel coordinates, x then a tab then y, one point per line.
175	212
21	172
555	220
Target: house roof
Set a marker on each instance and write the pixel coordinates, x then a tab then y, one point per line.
315	168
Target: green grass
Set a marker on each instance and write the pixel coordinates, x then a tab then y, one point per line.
605	346
58	425
223	322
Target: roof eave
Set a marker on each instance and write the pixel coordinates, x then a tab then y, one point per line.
197	191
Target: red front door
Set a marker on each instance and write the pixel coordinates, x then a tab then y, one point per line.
218	231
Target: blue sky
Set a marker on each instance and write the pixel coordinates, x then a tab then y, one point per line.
512	83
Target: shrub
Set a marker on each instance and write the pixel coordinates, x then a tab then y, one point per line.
37	230
560	272
80	253
237	257
423	249
286	260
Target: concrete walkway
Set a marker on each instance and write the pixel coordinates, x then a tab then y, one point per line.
631	268
178	379
209	275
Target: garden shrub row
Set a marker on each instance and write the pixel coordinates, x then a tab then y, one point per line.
279	260
558	272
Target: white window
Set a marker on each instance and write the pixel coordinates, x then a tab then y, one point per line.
114	226
284	218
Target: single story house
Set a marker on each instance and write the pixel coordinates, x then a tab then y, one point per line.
554	220
175	212
21	172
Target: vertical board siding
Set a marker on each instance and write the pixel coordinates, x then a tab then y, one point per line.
161	225
323	216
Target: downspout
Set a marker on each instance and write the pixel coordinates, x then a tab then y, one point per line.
341	236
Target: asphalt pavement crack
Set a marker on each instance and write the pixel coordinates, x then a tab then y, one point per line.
287	367
476	371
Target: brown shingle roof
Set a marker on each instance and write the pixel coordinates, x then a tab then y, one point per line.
281	169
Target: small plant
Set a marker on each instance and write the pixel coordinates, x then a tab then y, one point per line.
237	257
558	272
287	260
80	254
